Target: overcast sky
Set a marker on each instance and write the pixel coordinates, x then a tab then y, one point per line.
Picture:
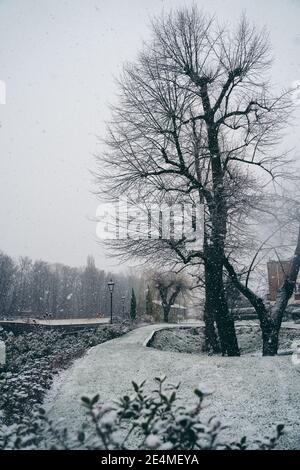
58	59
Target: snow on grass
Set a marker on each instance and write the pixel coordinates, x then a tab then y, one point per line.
191	339
251	393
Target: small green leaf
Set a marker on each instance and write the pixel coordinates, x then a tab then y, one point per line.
86	401
135	386
198	393
94	399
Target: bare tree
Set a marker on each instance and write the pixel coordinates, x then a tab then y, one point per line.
169	287
195	111
7	276
270	317
60	291
24	283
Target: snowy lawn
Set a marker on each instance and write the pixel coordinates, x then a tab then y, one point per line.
252	393
191	339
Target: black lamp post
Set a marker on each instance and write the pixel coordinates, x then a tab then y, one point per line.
111	286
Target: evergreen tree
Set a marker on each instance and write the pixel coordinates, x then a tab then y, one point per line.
133	306
91	287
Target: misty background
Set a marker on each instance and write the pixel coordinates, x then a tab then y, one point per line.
58	60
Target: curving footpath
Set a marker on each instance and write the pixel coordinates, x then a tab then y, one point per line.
252	393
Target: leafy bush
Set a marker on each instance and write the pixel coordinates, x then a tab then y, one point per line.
139	421
155	421
32	361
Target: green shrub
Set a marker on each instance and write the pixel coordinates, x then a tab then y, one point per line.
138	421
32	361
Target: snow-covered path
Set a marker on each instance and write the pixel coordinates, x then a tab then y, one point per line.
251	392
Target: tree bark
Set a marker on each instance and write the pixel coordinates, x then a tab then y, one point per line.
270	337
167	304
211	341
216	307
166	310
211	338
216	302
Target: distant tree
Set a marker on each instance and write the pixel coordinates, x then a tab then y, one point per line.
54	289
7	284
169	286
90	280
24	284
77	298
133	306
40	288
60	291
65	276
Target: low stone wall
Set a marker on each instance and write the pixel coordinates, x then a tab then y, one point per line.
20	328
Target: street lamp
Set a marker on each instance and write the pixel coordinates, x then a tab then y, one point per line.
123	305
111	286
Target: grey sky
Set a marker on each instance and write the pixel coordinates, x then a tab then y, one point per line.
58	59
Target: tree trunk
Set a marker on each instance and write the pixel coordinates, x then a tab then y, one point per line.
270	336
269	328
268	333
211	338
211	342
270	347
216	304
166	310
275	316
216	307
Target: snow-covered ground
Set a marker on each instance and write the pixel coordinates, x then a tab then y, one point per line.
189	339
2	353
252	393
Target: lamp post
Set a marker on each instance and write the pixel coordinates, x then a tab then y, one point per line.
111	286
123	305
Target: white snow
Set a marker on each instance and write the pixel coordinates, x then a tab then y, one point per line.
296	354
253	393
178	306
2	353
153	441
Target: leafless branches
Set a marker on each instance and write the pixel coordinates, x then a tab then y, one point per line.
197	120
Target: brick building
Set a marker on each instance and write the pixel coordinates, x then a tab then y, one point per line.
277	271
